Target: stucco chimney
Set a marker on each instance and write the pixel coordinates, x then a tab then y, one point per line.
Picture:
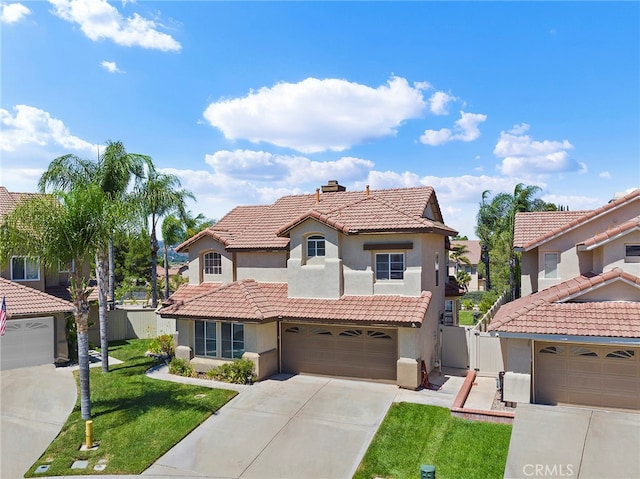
367	191
317	195
332	185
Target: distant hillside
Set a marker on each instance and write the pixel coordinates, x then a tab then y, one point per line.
174	258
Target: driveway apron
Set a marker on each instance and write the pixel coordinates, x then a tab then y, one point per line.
36	402
573	442
302	426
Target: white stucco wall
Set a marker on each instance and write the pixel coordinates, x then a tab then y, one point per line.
196	252
259	338
263	266
516	355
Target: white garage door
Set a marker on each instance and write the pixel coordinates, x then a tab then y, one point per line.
357	352
27	342
586	374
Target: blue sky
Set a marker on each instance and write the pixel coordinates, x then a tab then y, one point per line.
247	102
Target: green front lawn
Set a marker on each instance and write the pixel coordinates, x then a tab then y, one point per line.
135	419
465	318
414	434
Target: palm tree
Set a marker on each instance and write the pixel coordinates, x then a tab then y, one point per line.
172	234
495	228
159	196
113	174
62	228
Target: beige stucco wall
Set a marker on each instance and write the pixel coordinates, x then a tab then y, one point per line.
35	284
196	252
616	291
529	272
612	254
263	266
516	354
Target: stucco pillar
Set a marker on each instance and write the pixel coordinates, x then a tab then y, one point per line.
408	373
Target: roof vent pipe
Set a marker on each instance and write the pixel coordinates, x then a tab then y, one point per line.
317	196
367	191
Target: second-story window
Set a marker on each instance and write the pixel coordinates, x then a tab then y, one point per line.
632	253
551	265
389	265
212	263
25	269
315	246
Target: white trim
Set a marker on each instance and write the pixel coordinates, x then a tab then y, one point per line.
596	287
582	247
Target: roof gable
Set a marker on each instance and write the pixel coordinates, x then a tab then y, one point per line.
264	227
536	228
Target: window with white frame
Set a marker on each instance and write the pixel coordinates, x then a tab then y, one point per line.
632	253
206	339
24	268
66	267
212	263
219	339
315	246
389	266
550	265
232	340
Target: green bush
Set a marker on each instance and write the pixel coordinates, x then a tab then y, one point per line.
475	296
240	371
181	367
467	304
488	298
163	344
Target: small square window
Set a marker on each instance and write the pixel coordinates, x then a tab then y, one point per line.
315	246
24	268
632	253
212	263
390	266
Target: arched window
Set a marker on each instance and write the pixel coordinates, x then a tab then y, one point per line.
315	246
212	263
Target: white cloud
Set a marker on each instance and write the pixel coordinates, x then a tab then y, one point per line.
605	175
438	102
575	202
99	20
111	67
521	155
317	115
464	129
13	12
33	126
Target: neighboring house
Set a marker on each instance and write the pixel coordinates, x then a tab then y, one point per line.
181	270
576	330
474	256
35	332
337	283
30	274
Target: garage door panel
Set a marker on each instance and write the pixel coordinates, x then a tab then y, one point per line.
591	375
339	351
27	342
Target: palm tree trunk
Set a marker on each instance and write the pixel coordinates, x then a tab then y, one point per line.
81	315
101	275
166	271
112	276
154	272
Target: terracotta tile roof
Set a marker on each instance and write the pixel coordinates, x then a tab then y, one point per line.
187	292
527	314
9	200
251	301
258	227
24	301
620	230
173	270
475	251
533	229
452	288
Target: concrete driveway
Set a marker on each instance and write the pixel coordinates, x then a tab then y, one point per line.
302	426
35	403
572	442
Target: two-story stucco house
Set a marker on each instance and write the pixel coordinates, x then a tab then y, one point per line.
36	332
338	283
576	330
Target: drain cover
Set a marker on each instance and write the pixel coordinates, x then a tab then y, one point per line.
43	468
80	464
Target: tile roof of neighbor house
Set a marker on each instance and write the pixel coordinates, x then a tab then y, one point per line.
62	292
25	301
248	300
264	227
533	229
9	200
620	230
550	311
475	251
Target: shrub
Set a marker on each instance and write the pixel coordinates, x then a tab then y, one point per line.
488	298
163	344
240	371
181	367
467	304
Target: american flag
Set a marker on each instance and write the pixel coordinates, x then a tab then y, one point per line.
3	317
